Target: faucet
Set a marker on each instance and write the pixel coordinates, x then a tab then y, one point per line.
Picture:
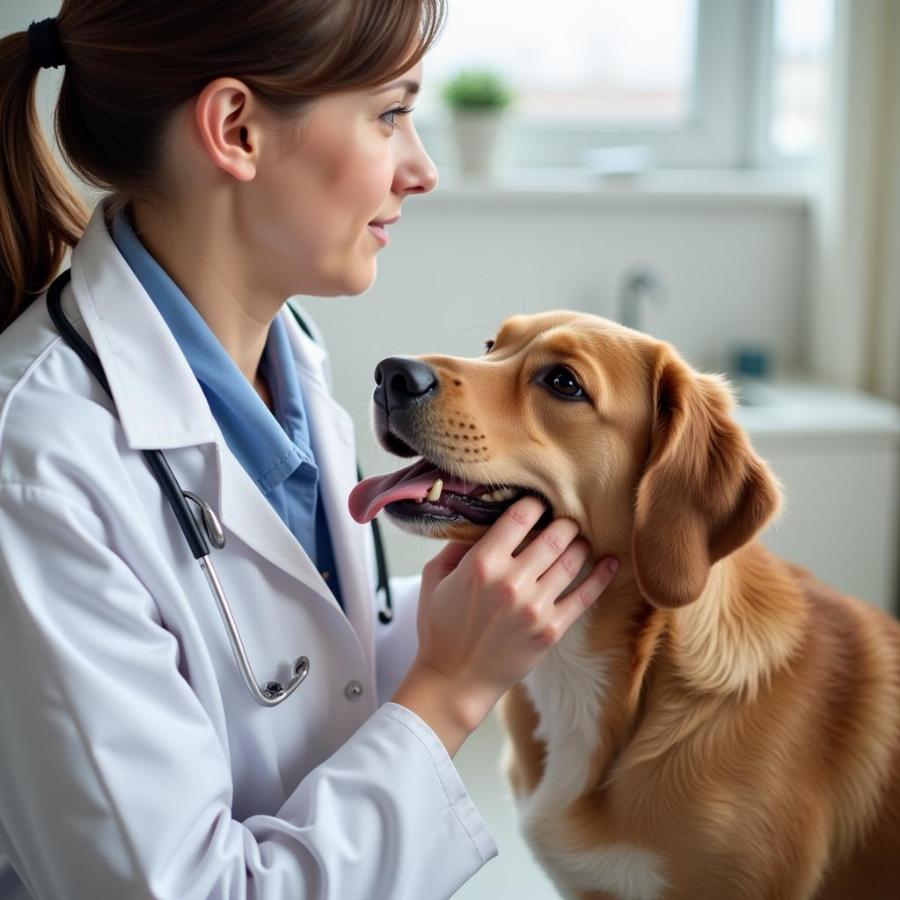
638	283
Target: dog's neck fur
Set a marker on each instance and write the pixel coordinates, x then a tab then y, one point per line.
743	628
728	643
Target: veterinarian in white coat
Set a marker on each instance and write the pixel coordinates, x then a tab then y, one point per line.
121	667
134	762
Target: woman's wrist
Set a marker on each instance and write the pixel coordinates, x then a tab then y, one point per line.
451	713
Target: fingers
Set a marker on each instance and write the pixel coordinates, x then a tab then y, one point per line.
553	559
547	547
573	604
444	562
513	525
565	569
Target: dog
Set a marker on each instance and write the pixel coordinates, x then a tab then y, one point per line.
719	724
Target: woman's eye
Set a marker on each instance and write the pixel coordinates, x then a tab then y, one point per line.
564	382
390	117
488	346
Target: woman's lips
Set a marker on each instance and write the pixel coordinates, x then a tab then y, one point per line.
380	234
378	227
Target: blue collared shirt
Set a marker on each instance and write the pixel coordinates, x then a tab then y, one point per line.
275	450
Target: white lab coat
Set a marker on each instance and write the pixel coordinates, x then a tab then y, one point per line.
133	761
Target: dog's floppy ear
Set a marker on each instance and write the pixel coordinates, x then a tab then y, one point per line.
703	492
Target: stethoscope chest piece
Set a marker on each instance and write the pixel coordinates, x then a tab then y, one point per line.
274	692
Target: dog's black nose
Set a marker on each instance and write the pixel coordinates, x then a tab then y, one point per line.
399	381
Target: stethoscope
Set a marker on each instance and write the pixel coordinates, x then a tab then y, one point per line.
272	692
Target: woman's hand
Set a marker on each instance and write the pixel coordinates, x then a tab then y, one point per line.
486	617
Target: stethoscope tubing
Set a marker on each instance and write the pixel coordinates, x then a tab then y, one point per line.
271	693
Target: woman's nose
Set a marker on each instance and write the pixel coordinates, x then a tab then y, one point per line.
417	174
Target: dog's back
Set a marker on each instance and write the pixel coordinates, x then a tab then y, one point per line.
860	734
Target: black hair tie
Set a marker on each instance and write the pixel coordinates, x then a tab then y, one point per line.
46	47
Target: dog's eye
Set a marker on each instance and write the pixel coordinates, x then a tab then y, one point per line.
488	346
564	382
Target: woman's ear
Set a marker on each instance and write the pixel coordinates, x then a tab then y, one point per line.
703	493
224	113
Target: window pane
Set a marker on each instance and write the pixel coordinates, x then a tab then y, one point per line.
801	44
597	60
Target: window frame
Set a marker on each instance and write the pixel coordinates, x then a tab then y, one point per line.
762	152
726	128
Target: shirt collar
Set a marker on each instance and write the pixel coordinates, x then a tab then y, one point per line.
268	452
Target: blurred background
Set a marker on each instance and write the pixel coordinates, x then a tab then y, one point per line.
722	174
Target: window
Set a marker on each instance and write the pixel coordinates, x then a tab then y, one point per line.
801	40
604	60
711	83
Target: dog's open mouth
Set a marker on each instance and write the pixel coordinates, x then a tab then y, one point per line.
423	491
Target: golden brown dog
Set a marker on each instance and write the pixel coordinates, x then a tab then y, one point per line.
719	724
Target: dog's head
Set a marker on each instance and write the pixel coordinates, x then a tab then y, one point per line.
606	425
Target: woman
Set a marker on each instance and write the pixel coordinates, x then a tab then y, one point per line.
251	150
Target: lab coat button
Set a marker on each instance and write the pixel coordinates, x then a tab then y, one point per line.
353	691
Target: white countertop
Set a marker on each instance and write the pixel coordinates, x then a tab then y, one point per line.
797	408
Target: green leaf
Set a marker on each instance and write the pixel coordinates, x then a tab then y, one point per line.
477	89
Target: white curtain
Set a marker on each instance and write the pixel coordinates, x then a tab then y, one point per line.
855	300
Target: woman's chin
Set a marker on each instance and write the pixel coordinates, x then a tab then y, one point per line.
360	279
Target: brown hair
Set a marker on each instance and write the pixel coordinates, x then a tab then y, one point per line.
131	63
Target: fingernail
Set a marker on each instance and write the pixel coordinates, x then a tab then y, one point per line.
612	564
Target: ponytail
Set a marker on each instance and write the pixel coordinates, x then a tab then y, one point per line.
40	213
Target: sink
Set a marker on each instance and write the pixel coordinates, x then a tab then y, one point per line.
753	392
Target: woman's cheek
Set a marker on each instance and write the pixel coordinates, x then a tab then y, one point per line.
370	178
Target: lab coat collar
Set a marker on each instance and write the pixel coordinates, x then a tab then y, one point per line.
158	399
161	406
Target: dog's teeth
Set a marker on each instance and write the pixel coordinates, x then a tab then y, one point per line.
499	495
435	493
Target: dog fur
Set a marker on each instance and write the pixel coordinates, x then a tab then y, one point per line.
719	724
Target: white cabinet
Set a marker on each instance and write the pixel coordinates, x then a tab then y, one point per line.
837	455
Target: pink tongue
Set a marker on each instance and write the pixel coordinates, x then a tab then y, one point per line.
414	482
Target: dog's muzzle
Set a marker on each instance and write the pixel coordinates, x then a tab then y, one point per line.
405	389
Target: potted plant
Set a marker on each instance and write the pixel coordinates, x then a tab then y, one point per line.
477	99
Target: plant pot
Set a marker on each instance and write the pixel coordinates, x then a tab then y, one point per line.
477	136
